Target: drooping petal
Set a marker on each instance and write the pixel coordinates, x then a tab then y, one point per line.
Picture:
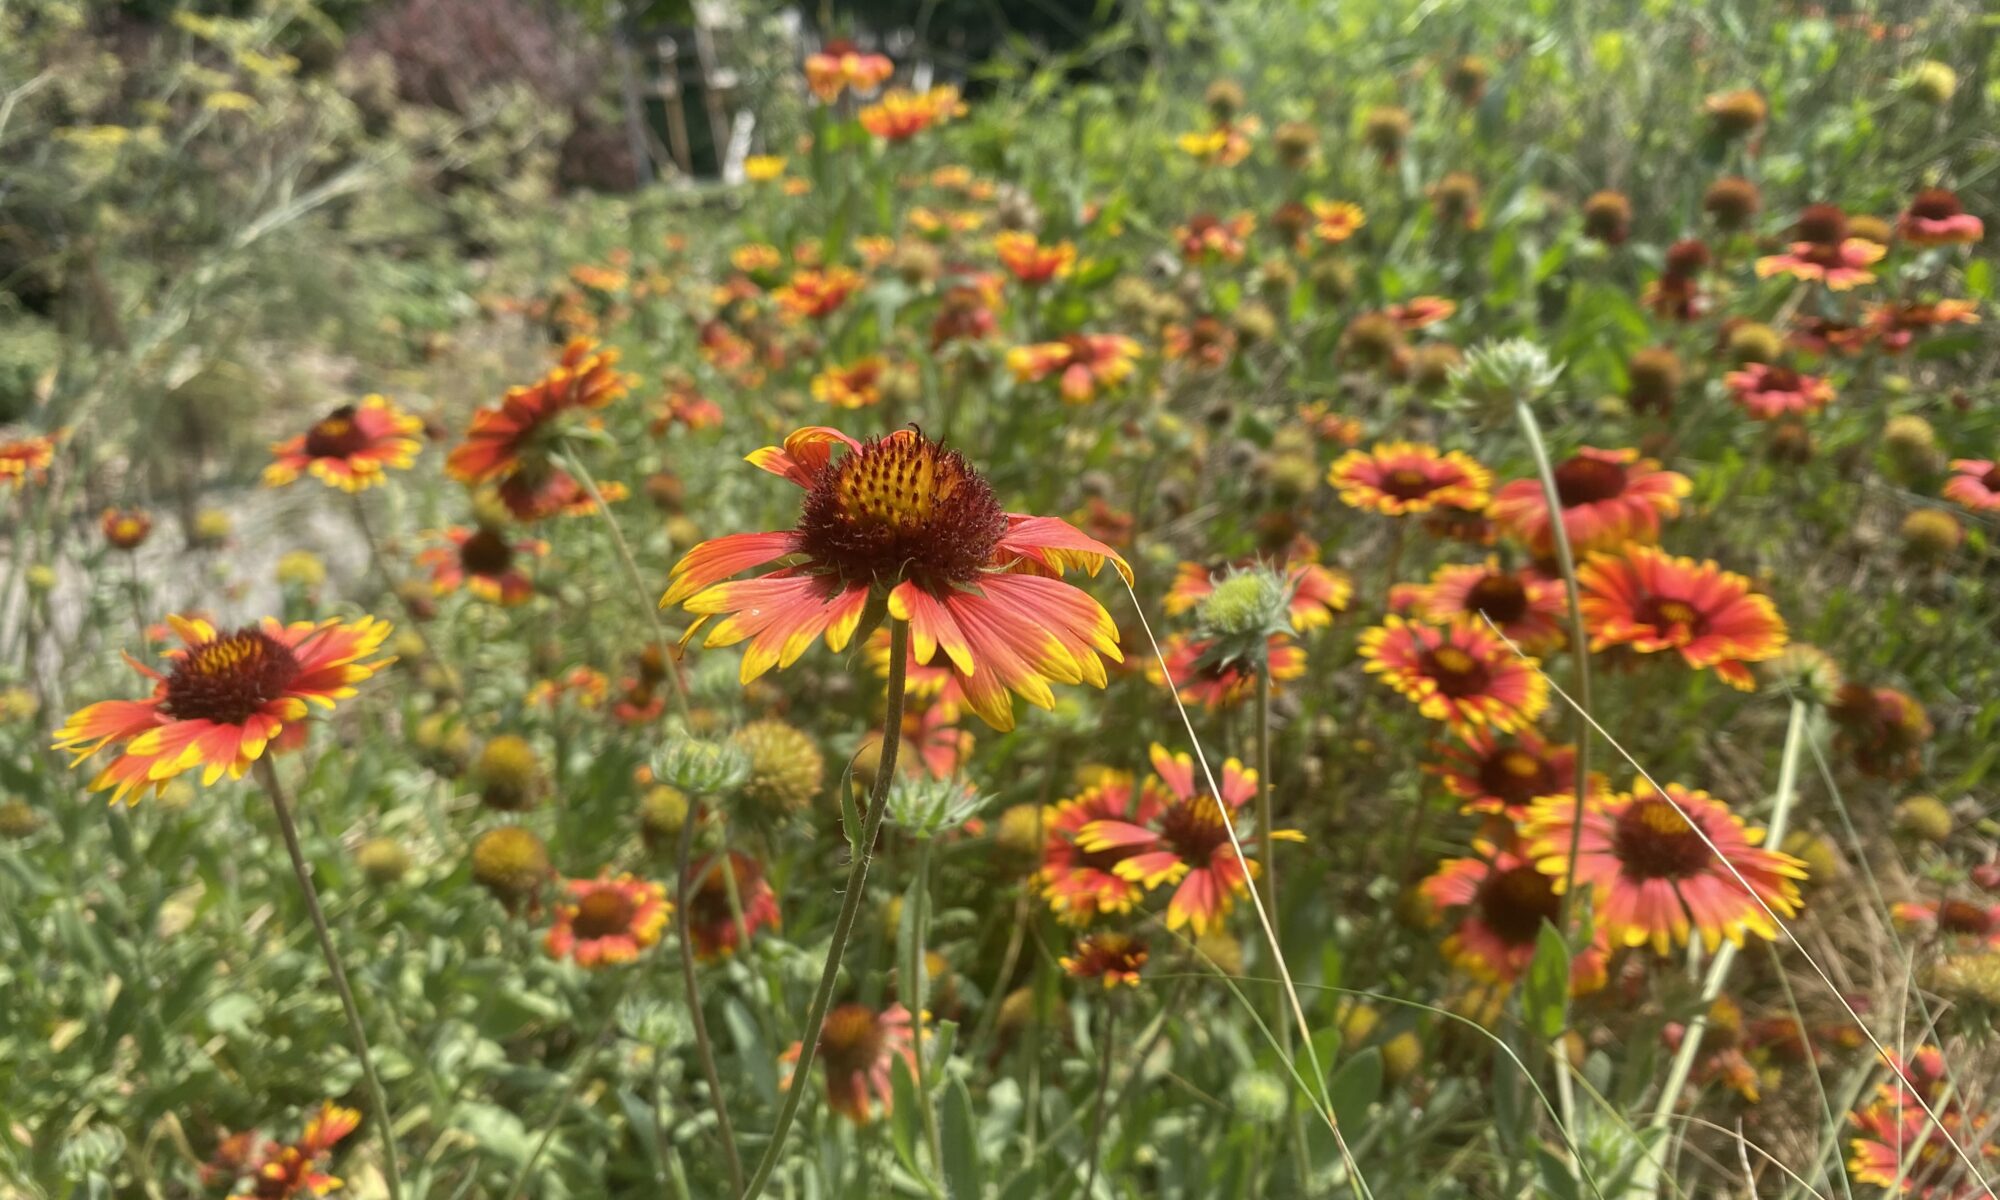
717	559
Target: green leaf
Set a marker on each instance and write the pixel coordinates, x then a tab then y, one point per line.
903	1115
1979	278
964	1172
1355	1086
1545	993
1557	1181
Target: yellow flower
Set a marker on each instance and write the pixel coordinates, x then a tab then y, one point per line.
762	168
229	101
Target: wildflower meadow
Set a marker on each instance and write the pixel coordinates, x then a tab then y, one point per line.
1158	599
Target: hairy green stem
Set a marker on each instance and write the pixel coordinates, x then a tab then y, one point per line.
392	1176
704	1048
631	565
918	971
1579	645
850	907
1267	883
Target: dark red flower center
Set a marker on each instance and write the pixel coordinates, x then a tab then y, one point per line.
1936	204
850	1040
605	912
1823	224
1667	613
901	507
1777	379
1456	673
1103	954
1513	903
1654	841
1991	480
1514	777
1194	830
1587	480
227	679
1961	916
337	435
486	553
1409	483
1500	596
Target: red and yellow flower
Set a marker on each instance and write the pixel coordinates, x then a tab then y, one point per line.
1086	363
1956	920
1334	221
1895	326
351	448
1975	483
712	926
902	114
1527	607
1505	774
223	699
1502	902
901	522
856	385
1841	265
1936	218
485	561
1608	497
1224	144
1209	237
1318	592
1113	958
1082	885
26	460
840	65
858	1048
601	922
1199	679
817	294
513	444
1653	878
1419	312
1395	478
126	528
1767	391
1460	673
286	1171
1029	261
1648	601
1186	843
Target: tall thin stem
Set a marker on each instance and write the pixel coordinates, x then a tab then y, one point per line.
704	1048
377	1098
1579	643
918	971
1267	882
850	906
1103	1086
380	563
632	577
1718	968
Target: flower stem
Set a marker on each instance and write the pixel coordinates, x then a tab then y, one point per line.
850	907
1103	1086
1267	883
379	1100
1579	645
704	1048
379	562
1718	968
919	976
631	565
